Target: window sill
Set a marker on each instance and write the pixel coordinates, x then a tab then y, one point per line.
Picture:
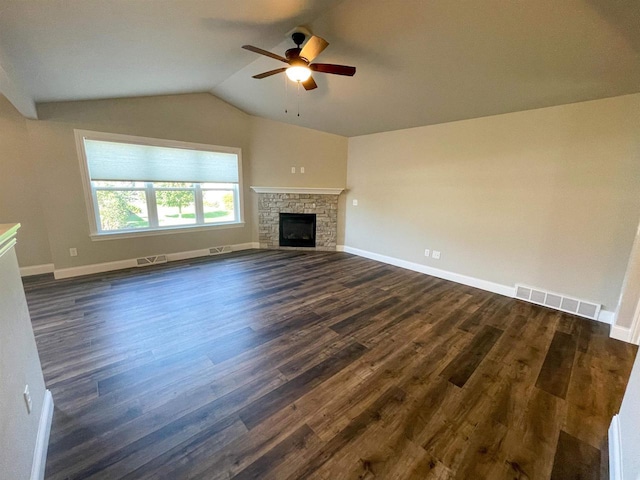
98	237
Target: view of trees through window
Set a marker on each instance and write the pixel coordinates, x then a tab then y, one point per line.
140	205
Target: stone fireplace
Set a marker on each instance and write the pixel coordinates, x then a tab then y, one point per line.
323	202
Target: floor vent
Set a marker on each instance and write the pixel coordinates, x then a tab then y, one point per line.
219	250
558	302
144	261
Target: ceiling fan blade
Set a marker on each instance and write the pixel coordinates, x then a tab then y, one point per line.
313	48
269	73
253	49
309	84
334	69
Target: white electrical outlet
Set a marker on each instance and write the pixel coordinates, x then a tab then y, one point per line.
27	399
436	255
293	169
301	169
73	252
355	202
426	252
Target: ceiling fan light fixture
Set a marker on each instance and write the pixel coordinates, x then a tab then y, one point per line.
298	73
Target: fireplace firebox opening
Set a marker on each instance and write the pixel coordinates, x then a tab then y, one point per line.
297	229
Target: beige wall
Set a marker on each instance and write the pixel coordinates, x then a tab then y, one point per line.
276	147
19	195
545	197
19	366
198	118
42	154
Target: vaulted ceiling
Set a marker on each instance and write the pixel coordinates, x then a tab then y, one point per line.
418	62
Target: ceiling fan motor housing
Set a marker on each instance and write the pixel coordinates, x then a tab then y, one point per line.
298	38
293	55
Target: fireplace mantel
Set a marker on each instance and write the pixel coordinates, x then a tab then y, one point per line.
303	190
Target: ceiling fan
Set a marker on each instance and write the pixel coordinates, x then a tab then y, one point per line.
299	60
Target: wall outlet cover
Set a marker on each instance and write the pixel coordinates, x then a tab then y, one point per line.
436	255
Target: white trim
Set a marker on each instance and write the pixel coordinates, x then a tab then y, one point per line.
36	269
606	316
172	257
435	272
42	439
339	248
131	262
94	268
620	333
615	450
635	326
309	190
245	246
99	237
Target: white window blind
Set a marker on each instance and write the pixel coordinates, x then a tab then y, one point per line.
127	161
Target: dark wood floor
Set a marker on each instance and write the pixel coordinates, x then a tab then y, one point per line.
291	365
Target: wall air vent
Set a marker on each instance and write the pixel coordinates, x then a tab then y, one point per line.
219	250
558	302
144	261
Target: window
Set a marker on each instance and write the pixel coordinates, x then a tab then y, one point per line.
136	186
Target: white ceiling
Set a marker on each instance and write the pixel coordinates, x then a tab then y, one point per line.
418	62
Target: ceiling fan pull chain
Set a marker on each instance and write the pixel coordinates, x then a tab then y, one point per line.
298	98
286	95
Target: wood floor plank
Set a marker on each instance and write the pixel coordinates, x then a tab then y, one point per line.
463	366
296	364
575	459
556	371
385	405
284	452
268	404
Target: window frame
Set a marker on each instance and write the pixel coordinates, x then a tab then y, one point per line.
91	203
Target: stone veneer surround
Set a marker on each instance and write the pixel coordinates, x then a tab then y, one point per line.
325	206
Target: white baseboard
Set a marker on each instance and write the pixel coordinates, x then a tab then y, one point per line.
615	451
172	257
435	272
36	269
245	246
93	268
42	440
620	333
606	316
131	262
